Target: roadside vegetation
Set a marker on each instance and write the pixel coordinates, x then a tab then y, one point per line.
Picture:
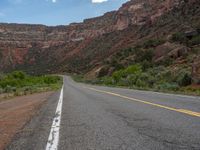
135	68
19	83
155	79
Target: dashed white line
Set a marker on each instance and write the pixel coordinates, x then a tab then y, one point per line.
53	139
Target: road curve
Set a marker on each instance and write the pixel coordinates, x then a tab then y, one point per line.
104	118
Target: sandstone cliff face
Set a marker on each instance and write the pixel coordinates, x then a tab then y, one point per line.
140	12
39	48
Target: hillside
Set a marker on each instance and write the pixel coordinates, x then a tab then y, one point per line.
91	46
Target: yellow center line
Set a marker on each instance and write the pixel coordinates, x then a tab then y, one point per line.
184	111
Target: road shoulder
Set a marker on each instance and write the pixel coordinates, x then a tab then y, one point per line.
17	113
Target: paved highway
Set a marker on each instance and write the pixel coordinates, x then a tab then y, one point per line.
103	118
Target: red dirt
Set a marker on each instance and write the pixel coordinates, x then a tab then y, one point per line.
16	112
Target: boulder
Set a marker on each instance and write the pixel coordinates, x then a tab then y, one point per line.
171	50
179	52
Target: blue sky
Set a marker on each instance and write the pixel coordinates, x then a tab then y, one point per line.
54	12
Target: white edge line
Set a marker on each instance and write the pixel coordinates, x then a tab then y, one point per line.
53	139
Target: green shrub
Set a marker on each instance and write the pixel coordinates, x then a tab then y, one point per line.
50	79
123	82
144	55
132	79
140	83
126	52
115	63
107	80
148	79
167	86
17	82
146	65
165	76
10	82
184	79
123	73
194	41
117	75
194	90
1	76
18	75
152	43
179	37
133	69
9	89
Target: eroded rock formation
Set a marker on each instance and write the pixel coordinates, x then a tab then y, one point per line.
39	48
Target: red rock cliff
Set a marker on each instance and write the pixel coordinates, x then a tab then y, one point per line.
23	45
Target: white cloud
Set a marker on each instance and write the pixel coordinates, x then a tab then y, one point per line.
53	1
99	1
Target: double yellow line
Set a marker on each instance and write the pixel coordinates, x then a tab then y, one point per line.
184	111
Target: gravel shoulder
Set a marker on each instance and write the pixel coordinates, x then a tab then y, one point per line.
15	113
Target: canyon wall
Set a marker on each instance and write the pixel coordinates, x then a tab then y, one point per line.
41	49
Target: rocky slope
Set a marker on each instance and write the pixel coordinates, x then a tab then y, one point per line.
81	47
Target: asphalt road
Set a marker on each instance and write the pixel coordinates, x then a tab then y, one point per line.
104	118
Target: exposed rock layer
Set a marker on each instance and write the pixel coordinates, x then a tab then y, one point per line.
79	47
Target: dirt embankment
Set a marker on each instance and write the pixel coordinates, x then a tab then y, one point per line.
16	112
